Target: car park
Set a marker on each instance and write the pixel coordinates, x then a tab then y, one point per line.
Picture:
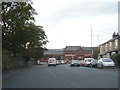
88	61
93	63
75	63
105	62
52	61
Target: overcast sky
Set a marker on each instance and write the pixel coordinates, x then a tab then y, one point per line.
69	22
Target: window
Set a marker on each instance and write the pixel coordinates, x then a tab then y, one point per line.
80	53
67	53
106	46
66	58
73	53
73	57
116	43
101	49
110	44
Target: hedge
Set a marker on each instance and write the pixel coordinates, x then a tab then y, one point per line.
116	58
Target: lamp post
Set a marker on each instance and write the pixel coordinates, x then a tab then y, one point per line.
91	35
91	32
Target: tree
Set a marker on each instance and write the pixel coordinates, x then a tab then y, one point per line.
19	33
95	52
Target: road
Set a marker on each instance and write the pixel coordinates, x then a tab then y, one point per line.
62	76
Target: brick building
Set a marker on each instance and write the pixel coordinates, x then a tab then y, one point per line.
73	52
53	53
68	53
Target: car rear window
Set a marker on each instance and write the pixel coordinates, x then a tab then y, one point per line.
52	60
94	60
107	60
89	60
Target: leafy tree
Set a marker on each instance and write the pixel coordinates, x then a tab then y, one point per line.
19	33
95	52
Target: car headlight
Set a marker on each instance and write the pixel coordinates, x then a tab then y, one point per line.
71	63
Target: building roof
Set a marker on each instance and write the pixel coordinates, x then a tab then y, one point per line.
86	48
111	40
72	48
54	52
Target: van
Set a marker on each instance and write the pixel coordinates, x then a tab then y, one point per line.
51	61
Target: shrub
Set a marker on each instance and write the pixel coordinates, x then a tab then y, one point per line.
116	58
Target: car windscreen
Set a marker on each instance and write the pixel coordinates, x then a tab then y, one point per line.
74	61
107	60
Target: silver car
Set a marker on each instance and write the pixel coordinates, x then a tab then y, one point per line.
105	62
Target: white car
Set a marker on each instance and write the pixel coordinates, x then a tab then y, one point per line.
62	61
88	61
38	62
105	62
51	61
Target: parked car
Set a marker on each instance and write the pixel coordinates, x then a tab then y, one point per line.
88	61
62	61
69	62
93	63
51	61
75	63
82	62
57	62
105	62
38	62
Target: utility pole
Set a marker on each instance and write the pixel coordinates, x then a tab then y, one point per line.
98	39
91	35
91	39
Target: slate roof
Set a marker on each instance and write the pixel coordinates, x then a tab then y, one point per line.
111	40
72	48
86	48
54	52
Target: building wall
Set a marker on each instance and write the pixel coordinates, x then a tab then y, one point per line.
46	57
110	47
69	55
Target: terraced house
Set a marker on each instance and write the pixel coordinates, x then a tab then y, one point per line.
68	53
110	47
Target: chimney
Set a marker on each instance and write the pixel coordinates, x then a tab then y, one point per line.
115	35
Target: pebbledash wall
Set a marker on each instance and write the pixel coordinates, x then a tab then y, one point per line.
68	53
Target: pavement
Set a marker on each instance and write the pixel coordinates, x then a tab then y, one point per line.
7	74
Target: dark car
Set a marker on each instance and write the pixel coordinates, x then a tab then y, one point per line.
74	63
69	62
93	63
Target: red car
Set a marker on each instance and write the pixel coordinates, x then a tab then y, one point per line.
82	62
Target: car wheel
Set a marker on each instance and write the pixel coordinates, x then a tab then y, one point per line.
97	66
101	66
90	65
71	65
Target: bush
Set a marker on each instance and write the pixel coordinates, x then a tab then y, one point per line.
9	62
116	58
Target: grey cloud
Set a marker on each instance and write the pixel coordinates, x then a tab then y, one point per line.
86	9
